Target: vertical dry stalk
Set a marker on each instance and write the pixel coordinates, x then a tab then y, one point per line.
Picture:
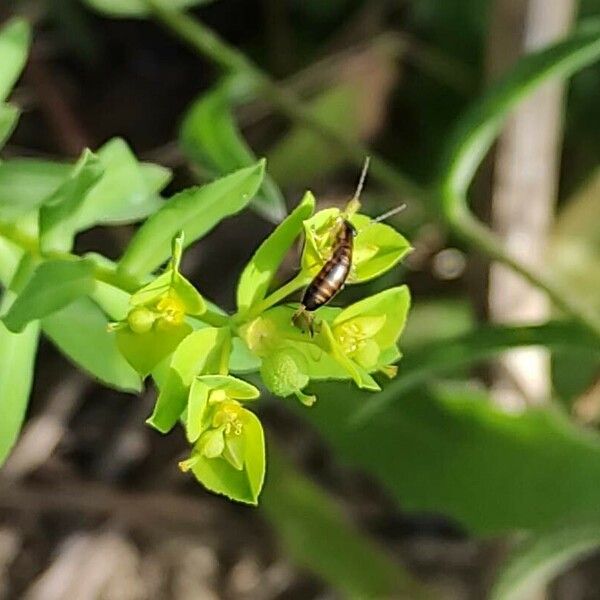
523	198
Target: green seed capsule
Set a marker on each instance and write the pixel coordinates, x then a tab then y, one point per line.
284	372
141	319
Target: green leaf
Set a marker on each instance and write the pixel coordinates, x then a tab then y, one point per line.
196	409
113	301
59	215
26	183
53	285
126	192
451	451
155	176
144	351
259	272
17	357
10	257
194	211
188	361
476	132
127	9
542	558
9	115
210	138
242	360
254	454
301	155
238	389
318	535
191	299
431	359
574	248
218	475
80	331
437	319
15	38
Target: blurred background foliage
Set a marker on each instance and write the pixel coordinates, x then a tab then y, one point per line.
422	491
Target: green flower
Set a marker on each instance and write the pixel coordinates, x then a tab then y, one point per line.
377	247
351	343
156	322
368	330
228	456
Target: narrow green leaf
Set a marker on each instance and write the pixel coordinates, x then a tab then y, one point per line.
53	285
210	138
127	9
434	358
451	451
17	357
126	192
188	360
9	115
26	183
113	301
194	211
15	37
80	331
155	176
196	408
318	536
301	155
542	558
59	216
259	272
476	132
574	247
10	256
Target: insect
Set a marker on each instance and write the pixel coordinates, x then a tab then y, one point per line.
333	275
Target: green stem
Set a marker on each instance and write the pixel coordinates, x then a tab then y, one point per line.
104	273
212	317
293	285
208	43
479	236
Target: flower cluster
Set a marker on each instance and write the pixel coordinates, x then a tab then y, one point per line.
170	333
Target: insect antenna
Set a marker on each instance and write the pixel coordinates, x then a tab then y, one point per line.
389	213
361	181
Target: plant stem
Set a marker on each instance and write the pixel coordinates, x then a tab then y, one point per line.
207	42
293	285
103	273
212	317
479	236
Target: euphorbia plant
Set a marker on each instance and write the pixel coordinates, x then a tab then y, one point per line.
196	354
133	319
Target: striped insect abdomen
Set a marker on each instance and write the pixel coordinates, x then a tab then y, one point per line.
331	278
